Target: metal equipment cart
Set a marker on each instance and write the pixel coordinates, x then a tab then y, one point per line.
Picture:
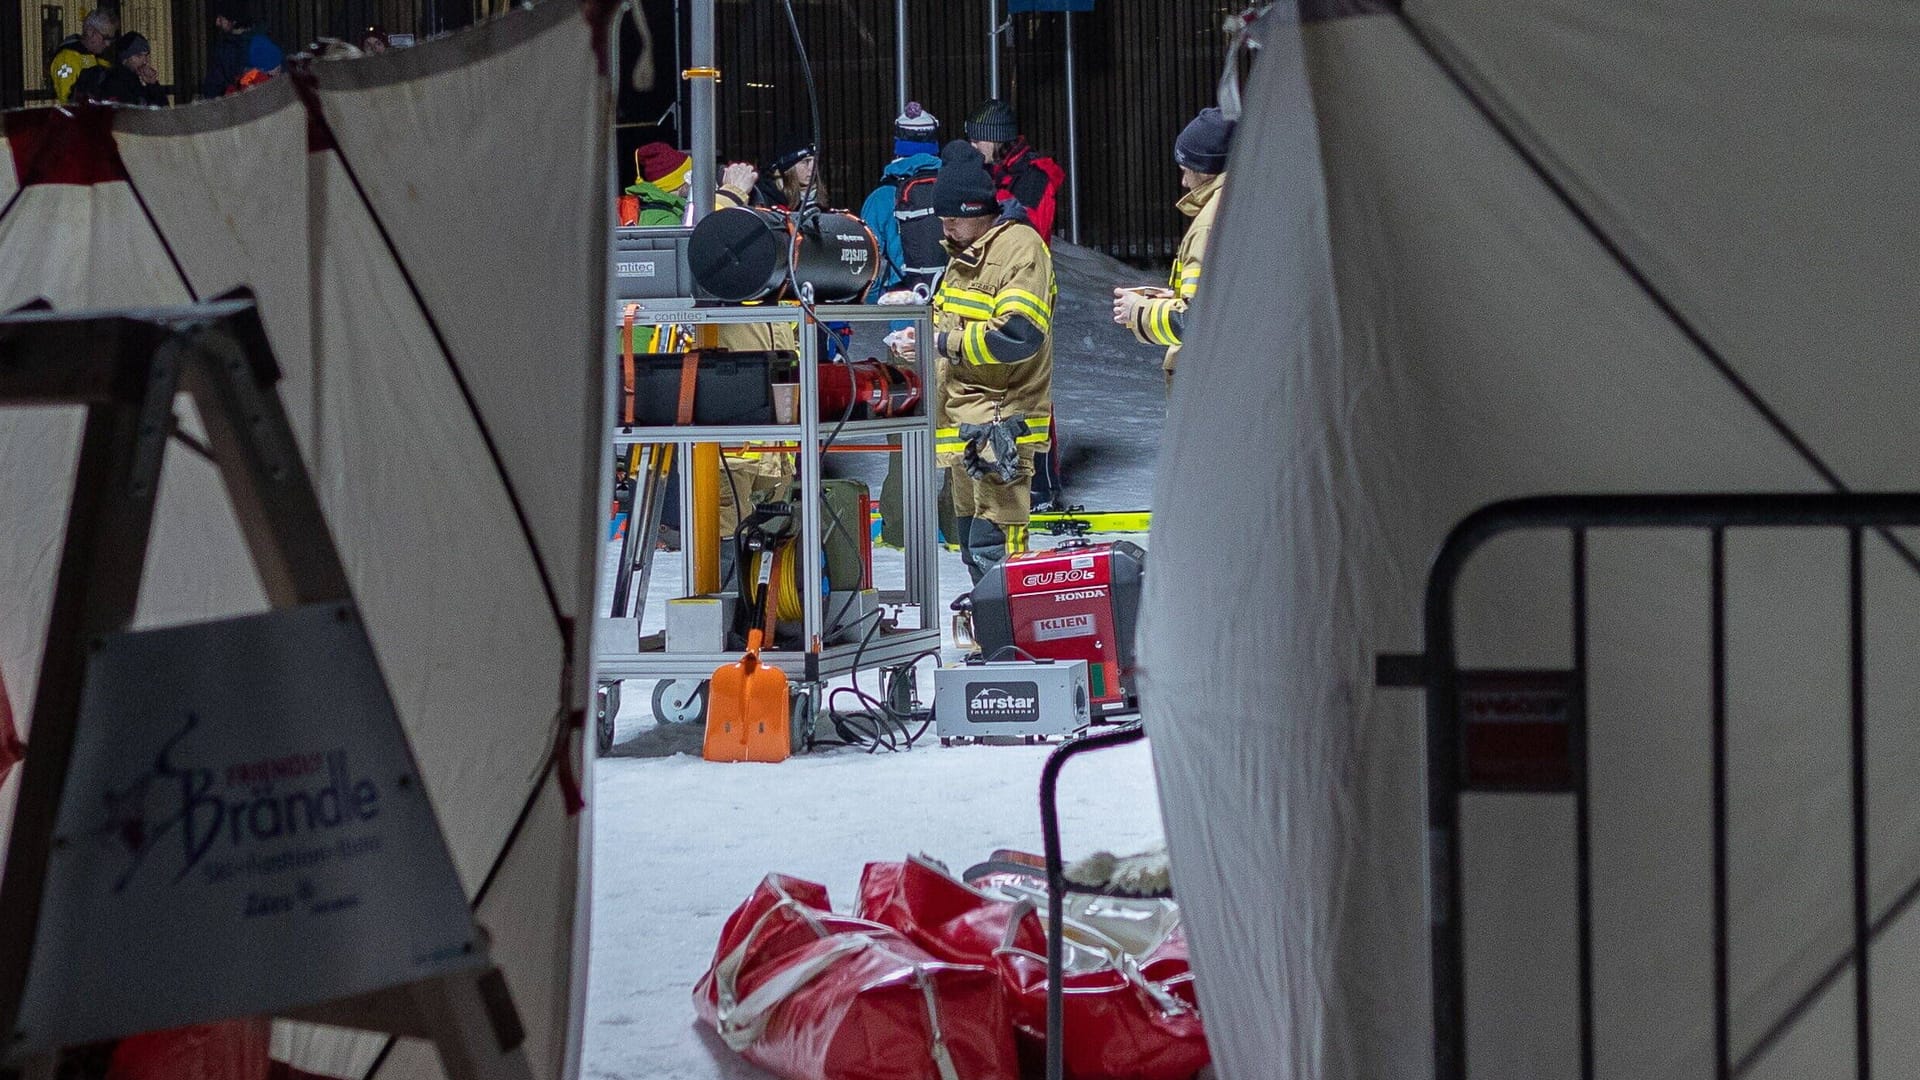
620	654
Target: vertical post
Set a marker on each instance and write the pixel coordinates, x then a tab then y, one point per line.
900	53
993	48
1722	1014
1583	828
1073	143
1444	757
1862	886
701	100
812	611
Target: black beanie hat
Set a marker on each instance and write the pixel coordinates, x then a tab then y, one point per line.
962	150
791	150
1202	145
963	189
993	121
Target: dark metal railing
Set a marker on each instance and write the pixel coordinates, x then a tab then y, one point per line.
1560	697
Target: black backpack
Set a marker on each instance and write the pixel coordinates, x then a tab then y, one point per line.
922	256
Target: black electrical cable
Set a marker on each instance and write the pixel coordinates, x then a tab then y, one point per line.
811	196
874	726
1002	649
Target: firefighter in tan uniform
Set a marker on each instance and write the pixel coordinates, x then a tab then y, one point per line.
993	343
1201	153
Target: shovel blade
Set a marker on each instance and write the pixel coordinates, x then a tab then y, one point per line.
748	717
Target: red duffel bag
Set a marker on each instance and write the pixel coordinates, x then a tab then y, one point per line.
810	995
1125	1019
944	915
1129	1011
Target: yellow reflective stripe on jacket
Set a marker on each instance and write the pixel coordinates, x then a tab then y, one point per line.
967	303
1189	282
973	344
1021	302
948	440
1154	322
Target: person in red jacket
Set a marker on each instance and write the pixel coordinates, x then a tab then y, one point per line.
1020	173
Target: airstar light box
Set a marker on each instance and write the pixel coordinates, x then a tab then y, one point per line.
1020	700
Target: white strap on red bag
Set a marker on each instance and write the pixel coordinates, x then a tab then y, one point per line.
742	1021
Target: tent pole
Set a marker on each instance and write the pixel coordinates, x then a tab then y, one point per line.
1073	143
900	52
701	102
993	48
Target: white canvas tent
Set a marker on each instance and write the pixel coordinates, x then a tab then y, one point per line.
1478	249
423	232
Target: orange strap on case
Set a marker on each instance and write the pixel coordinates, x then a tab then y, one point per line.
626	365
689	377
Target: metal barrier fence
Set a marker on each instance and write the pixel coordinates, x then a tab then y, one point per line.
1559	764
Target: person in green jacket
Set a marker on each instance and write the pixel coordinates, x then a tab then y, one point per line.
665	174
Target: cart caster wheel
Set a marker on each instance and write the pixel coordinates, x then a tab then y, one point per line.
800	721
680	701
606	706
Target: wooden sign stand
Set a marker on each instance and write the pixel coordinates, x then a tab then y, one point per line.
125	370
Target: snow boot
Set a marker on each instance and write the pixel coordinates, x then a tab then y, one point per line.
961	537
986	546
1046	494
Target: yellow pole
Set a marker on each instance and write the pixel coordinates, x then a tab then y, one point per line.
704	543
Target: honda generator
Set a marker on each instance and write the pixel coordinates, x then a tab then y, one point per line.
1079	601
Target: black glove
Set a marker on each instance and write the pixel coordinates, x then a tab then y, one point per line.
1003	438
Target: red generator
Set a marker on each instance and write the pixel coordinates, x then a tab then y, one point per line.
1079	601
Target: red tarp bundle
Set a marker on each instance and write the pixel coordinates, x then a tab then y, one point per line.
819	996
811	995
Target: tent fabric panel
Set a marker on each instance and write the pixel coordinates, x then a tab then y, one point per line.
444	579
1649	748
198	564
112	256
9	183
1677	125
108	255
530	916
534	349
447	581
231	198
1424	330
1523	1020
32	532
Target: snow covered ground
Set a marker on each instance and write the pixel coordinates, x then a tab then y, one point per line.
679	842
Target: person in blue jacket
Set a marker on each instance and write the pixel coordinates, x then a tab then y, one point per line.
900	210
237	49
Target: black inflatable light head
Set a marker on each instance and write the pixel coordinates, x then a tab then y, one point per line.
746	253
740	253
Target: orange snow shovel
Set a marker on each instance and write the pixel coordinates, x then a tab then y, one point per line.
748	716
